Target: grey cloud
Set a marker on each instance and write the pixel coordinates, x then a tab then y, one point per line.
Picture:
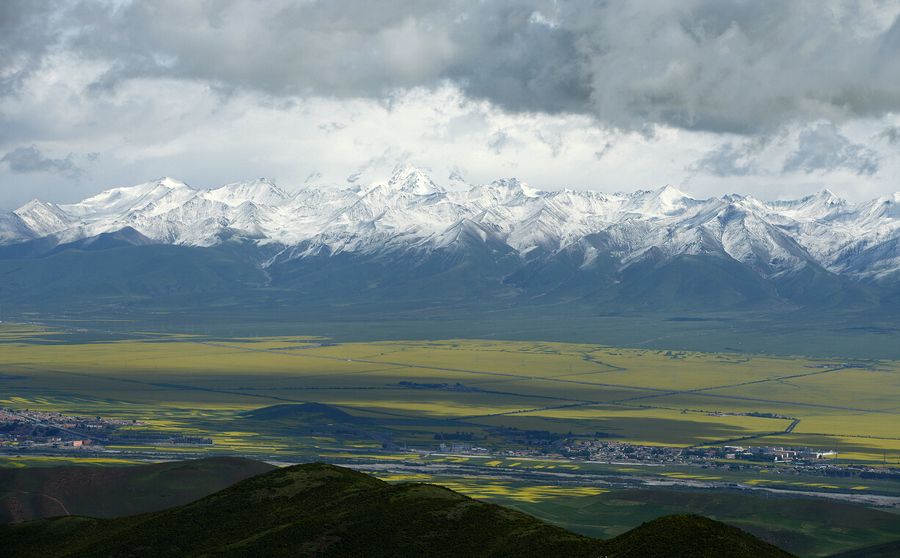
738	66
329	127
891	134
26	35
498	141
553	140
389	157
602	152
730	160
745	66
824	148
30	159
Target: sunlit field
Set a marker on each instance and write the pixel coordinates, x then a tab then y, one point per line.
201	386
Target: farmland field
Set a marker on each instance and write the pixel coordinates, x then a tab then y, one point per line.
202	386
397	409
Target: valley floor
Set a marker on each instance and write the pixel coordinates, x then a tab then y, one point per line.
532	423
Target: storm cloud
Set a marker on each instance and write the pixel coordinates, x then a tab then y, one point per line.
729	159
766	97
742	67
891	134
823	148
30	159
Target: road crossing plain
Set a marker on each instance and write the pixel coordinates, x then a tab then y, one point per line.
202	385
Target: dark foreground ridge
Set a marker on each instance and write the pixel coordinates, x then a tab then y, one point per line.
323	510
40	492
883	550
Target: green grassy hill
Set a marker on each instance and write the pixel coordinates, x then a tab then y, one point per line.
803	526
687	535
323	510
886	550
305	412
36	492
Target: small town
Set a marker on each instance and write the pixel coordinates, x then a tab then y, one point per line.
789	460
30	429
42	432
620	451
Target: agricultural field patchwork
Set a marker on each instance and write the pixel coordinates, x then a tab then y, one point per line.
513	422
391	394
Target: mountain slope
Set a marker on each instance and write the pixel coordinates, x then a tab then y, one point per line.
687	535
126	273
411	210
36	492
13	229
408	239
884	550
322	510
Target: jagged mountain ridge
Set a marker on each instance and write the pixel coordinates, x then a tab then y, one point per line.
411	212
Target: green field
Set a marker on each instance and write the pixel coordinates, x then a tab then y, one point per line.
802	526
201	385
302	398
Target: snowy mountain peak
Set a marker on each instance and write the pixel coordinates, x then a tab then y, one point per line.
261	191
411	180
822	204
169	182
516	186
740	199
43	218
829	196
670	193
824	198
664	201
33	204
502	191
410	213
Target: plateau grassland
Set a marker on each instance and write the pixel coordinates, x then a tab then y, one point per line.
423	390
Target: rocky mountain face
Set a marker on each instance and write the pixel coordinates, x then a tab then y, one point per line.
656	245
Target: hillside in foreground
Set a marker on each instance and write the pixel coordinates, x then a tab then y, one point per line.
323	510
39	492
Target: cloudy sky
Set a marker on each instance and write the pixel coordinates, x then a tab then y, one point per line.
772	98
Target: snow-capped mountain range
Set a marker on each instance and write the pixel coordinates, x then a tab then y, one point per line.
410	213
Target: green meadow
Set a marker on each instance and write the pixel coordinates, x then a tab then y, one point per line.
303	398
205	386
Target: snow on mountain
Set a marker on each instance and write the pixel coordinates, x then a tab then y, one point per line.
410	180
261	191
666	201
822	205
43	218
411	212
505	192
131	199
13	229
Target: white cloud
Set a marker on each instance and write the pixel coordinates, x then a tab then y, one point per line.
709	96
